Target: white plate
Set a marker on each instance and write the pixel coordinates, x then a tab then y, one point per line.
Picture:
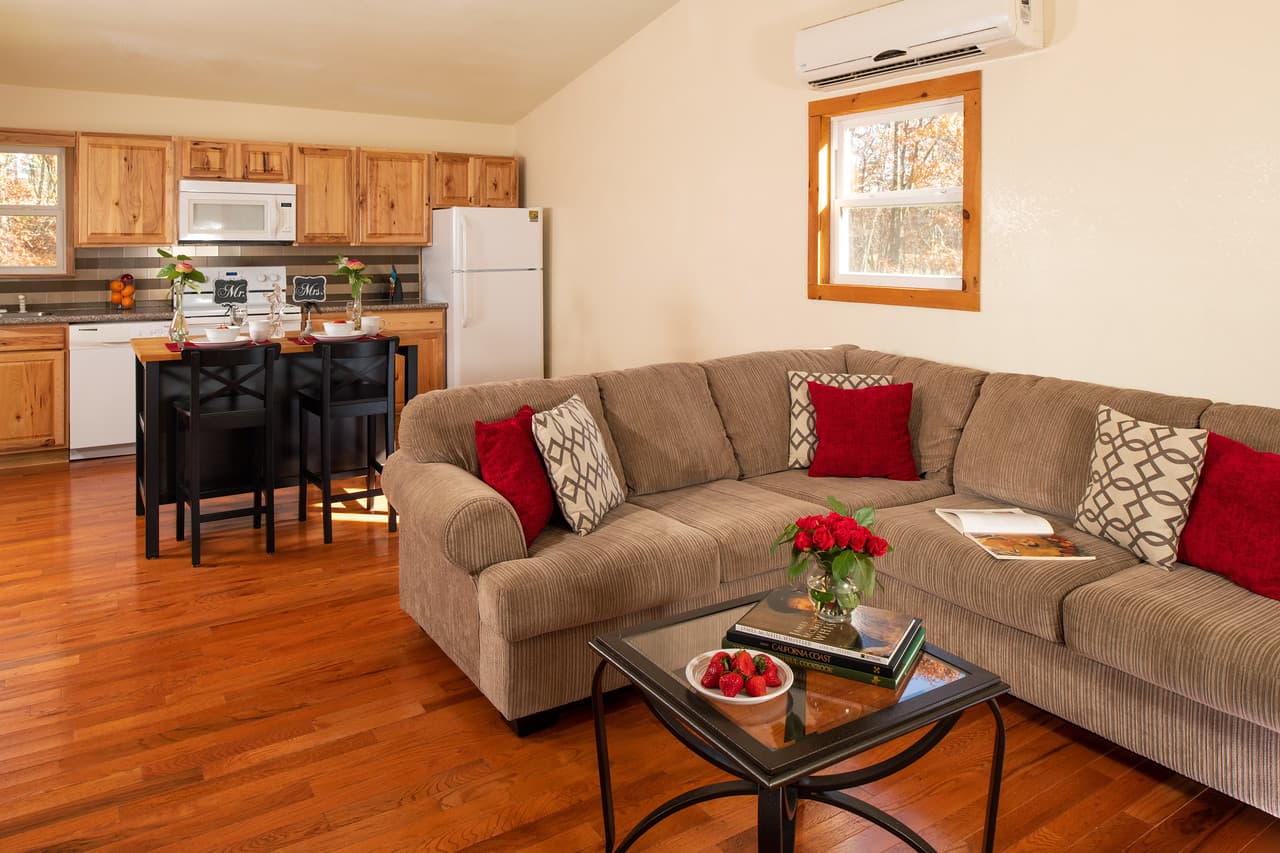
333	339
693	672
204	343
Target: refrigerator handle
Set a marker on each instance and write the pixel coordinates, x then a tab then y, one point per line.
462	262
466	303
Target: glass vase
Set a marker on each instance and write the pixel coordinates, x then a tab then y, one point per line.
178	332
833	600
355	310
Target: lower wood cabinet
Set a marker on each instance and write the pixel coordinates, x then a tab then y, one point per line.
33	389
423	328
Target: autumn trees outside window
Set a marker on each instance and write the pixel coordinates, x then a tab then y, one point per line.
33	210
894	207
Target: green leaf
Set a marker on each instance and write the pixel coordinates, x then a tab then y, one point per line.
836	505
844	562
181	258
865	516
197	275
162	253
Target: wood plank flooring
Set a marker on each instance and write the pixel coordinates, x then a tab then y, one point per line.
285	703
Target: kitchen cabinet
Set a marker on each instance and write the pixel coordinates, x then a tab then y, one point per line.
393	206
33	391
229	160
326	194
424	328
124	190
473	180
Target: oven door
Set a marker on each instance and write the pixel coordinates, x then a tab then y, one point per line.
227	217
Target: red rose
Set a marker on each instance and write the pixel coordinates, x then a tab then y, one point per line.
834	518
803	541
808	522
877	547
823	539
844	531
858	537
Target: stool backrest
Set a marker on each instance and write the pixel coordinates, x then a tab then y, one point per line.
368	365
232	374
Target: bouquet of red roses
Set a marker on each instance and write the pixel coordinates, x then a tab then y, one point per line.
842	542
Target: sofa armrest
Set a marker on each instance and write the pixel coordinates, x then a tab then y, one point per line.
475	525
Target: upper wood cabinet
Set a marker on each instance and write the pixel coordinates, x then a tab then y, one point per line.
470	180
393	206
124	190
325	179
227	160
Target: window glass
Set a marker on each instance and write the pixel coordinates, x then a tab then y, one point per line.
28	178
33	211
921	240
29	241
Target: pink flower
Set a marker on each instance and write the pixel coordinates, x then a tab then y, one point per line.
183	267
355	264
823	539
803	542
877	547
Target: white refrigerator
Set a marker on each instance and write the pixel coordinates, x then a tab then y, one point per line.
486	262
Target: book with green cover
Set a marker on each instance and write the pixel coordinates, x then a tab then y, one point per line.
890	681
874	636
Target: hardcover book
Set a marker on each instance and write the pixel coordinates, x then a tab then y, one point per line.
786	618
888	680
1011	534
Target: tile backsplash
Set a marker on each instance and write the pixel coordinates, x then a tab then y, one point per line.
96	267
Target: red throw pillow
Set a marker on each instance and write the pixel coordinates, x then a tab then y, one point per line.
862	433
511	464
1234	523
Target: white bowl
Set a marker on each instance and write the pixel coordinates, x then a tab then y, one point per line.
693	672
339	327
222	335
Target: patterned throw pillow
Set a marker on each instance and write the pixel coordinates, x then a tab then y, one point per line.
1141	480
582	476
804	433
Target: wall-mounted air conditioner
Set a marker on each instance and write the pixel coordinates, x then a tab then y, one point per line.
909	35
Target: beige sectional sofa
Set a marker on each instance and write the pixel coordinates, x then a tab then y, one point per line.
1182	667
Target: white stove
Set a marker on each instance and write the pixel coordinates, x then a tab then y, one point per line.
202	312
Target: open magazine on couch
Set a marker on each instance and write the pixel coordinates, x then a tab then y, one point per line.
1009	533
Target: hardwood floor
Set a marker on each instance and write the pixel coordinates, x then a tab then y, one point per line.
285	703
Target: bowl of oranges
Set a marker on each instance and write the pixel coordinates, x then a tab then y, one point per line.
122	291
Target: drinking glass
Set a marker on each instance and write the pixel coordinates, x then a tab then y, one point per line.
238	314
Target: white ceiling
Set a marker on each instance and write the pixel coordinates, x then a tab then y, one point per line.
470	60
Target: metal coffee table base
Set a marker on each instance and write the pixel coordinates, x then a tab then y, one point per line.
776	807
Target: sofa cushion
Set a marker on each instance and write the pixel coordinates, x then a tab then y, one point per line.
743	519
582	477
511	464
1029	438
853	492
635	559
1233	528
931	555
943	397
863	433
1256	426
752	393
803	436
1189	631
1141	479
668	430
439	426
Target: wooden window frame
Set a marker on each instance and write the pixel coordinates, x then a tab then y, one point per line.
12	138
968	87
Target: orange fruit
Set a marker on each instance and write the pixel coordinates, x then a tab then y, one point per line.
116	297
117	285
129	290
126	302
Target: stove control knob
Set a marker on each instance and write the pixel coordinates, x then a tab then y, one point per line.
262	276
275	276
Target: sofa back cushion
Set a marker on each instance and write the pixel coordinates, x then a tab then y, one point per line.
1029	439
666	427
753	396
439	426
1256	426
942	397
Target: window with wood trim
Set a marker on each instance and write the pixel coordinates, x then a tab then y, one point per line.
34	225
894	208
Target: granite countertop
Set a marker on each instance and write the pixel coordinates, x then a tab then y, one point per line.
104	312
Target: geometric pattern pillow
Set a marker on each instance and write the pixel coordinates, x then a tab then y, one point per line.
582	477
1141	479
804	433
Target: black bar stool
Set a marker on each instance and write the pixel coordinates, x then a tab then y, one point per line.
230	389
357	380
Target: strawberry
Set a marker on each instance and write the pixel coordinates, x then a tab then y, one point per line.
731	683
763	664
772	677
756	686
724	659
744	665
711	677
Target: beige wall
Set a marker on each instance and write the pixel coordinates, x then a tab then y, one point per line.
1131	192
62	109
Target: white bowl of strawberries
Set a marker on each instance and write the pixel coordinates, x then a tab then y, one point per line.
738	676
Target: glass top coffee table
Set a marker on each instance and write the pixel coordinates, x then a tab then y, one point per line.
775	750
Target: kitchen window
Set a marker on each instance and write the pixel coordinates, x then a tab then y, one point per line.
34	237
894	202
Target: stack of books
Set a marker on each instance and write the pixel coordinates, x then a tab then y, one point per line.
878	647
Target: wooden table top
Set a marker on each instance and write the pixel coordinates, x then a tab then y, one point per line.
148	350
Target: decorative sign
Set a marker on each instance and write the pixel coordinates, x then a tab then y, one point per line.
308	288
231	291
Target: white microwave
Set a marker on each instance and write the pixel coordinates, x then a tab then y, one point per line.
236	212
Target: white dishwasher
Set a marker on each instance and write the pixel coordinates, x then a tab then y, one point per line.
101	392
